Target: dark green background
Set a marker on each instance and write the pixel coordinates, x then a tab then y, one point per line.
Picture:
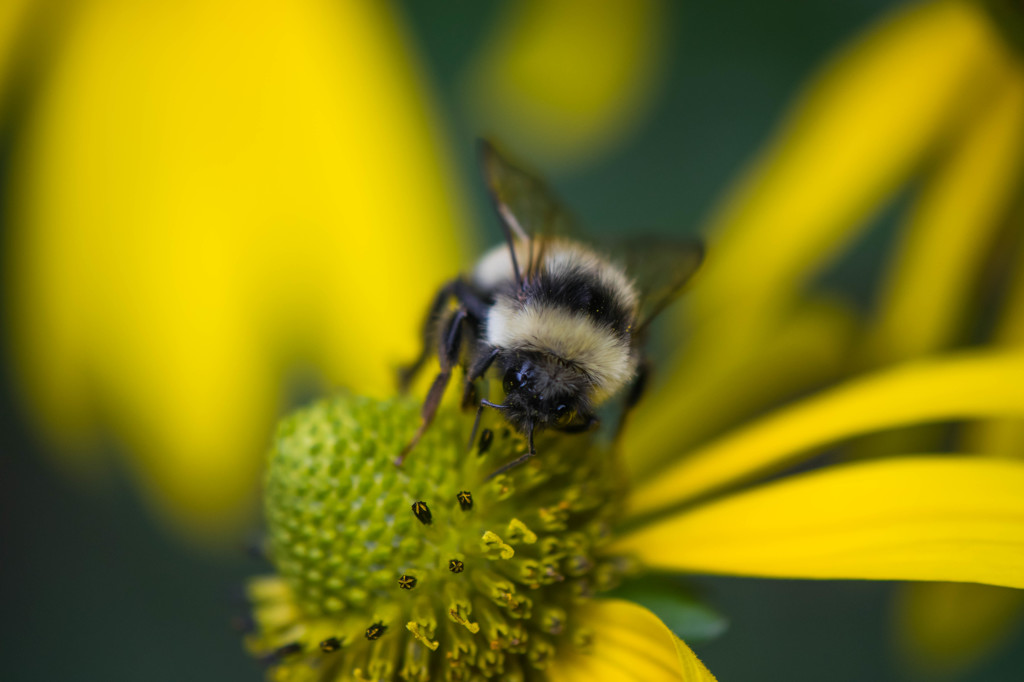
92	588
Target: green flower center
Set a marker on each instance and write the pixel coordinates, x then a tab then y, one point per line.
431	570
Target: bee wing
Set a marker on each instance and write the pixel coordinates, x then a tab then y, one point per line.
661	268
531	215
528	210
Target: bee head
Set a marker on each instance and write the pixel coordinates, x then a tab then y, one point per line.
543	392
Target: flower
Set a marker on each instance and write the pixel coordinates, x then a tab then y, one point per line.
101	332
927	103
756	338
194	207
563	80
431	571
931	93
508	574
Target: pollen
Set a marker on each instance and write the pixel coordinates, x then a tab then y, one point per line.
486	438
422	512
330	644
496	590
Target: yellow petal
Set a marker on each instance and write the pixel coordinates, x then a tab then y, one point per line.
844	151
1010	327
207	193
958	519
951	230
963	386
933	284
998	437
1005	437
698	400
15	16
946	627
561	80
629	643
860	128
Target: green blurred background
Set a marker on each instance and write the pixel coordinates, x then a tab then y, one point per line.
93	586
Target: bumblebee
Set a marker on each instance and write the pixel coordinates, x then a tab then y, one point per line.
561	322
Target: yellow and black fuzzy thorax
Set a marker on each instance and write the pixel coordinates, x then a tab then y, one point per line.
573	314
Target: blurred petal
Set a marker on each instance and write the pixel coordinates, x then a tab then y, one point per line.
14	16
845	150
563	79
945	627
957	387
1005	437
924	518
998	437
951	229
629	643
1010	327
858	131
692	403
931	287
207	190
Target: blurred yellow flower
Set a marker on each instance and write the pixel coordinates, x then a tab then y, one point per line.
930	102
563	80
879	114
203	194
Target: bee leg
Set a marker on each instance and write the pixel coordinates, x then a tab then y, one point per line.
449	355
511	465
469	396
636	391
476	425
531	453
479	367
407	373
470	300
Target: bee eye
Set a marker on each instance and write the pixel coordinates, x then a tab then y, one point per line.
563	415
511	381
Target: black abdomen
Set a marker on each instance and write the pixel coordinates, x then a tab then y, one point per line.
579	290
